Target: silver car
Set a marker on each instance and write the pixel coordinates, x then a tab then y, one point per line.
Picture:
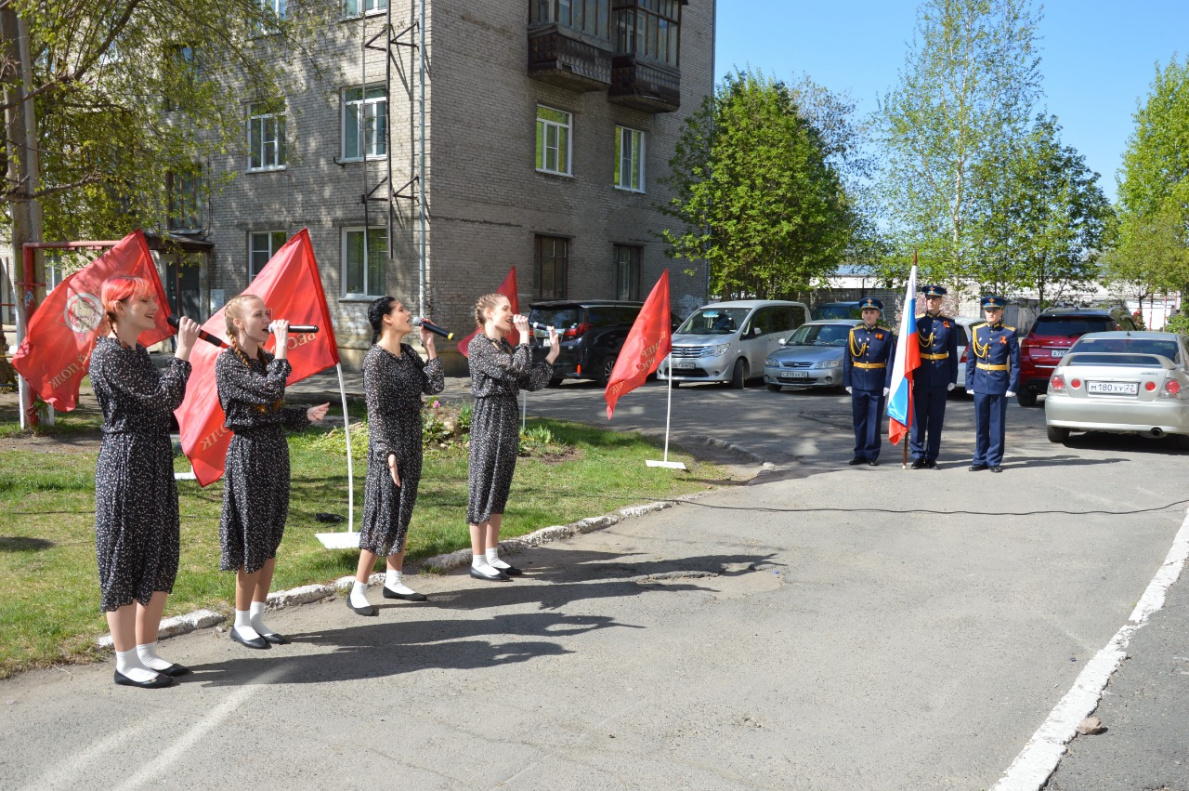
812	357
1121	382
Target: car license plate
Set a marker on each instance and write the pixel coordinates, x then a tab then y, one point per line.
545	342
686	364
794	374
1058	352
1112	388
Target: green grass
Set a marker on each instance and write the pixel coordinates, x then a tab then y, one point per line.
48	582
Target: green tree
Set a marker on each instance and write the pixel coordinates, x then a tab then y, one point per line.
1043	226
966	91
1152	249
756	192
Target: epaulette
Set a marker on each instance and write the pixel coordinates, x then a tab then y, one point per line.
1013	329
920	315
974	327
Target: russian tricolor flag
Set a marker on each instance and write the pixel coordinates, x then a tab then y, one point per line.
908	359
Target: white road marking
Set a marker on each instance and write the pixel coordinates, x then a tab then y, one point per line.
1039	758
66	773
187	740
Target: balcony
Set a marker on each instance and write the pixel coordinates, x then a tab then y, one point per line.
644	85
565	57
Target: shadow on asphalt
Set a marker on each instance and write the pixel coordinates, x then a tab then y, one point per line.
1094	440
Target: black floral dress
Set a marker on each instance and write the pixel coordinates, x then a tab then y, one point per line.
136	498
497	374
256	474
393	387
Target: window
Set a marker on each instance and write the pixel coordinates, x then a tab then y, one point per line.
357	7
553	140
262	246
648	29
629	159
365	123
627	272
277	7
266	139
589	16
182	61
365	258
185	200
551	256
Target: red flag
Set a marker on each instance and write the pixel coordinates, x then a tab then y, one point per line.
508	289
645	347
57	348
290	285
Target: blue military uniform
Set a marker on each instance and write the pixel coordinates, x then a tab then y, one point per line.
992	373
932	381
867	371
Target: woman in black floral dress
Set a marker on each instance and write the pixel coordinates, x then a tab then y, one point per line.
394	379
136	499
251	384
497	374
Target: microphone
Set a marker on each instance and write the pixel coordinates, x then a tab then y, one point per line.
434	328
206	336
303	329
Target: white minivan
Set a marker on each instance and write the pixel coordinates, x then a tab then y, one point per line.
729	341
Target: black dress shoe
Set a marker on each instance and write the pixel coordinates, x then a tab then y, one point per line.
855	462
368	610
977	467
499	576
873	462
255	642
175	671
158	681
996	468
919	464
511	571
932	464
414	596
275	638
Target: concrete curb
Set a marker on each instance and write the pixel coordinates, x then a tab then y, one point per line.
179	624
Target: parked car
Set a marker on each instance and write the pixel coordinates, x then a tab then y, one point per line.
838	310
1121	382
965	331
812	357
1051	336
729	341
590	333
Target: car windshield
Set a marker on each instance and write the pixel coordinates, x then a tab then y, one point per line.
1165	348
840	310
821	335
1128	360
561	318
1071	326
714	321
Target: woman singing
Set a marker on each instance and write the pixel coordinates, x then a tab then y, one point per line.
251	384
497	374
394	379
136	499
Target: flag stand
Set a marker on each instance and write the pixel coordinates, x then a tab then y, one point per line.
349	539
671	465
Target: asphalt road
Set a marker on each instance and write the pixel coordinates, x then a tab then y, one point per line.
825	627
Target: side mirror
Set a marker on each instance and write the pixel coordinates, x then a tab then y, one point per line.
783	341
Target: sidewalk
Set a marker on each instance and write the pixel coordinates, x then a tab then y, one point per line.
325	387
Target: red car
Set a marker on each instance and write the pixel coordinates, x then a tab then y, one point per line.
1051	336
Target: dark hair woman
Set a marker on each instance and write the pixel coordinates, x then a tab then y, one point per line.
136	499
394	379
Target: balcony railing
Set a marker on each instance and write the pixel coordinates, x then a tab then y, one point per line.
565	57
644	85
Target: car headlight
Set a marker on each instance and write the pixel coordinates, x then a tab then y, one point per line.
771	362
716	351
828	364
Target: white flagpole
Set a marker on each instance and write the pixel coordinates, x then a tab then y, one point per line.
672	465
349	539
523	409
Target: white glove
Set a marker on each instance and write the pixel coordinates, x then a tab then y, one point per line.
886	391
949	387
849	390
1010	394
969	391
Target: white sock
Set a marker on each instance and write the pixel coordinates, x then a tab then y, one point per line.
257	618
392	581
243	625
479	563
493	559
359	595
128	664
148	657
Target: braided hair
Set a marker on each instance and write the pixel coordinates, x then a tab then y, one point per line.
376	311
484	303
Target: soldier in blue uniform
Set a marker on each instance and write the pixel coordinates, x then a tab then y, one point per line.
938	337
992	376
866	374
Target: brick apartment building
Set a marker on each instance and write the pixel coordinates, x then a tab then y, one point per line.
547	126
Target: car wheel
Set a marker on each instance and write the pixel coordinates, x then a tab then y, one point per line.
1058	434
676	383
739	375
605	370
556	382
774	388
1026	398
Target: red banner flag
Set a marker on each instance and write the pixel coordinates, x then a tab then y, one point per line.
56	352
508	289
290	285
645	347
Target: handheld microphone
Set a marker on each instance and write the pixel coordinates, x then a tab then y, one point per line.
303	329
434	328
206	336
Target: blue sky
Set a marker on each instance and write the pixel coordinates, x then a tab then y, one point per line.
1098	56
